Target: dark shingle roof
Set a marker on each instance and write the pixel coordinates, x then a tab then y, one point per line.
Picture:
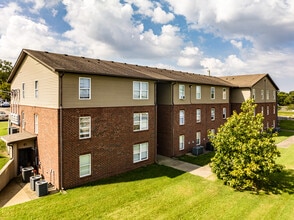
247	81
63	63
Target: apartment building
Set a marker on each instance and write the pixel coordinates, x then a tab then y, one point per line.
77	119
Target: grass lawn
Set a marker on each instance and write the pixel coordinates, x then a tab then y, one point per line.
200	160
286	113
159	192
3	154
287	124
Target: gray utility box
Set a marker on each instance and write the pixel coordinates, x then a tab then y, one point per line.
41	188
26	173
197	150
33	180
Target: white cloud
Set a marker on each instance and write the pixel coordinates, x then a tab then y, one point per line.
161	17
237	44
190	57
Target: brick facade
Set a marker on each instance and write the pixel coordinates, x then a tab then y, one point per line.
110	145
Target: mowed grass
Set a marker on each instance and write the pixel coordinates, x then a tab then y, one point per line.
3	154
159	192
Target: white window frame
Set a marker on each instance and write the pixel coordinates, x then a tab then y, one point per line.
182	94
267	94
36	123
141	121
274	95
198	138
274	123
85	161
181	142
140	152
212	92
224	113
198	92
198	115
262	94
84	127
36	84
224	93
267	110
212	114
23	90
83	89
274	109
253	93
140	90
182	117
262	110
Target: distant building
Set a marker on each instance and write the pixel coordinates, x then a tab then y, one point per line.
77	119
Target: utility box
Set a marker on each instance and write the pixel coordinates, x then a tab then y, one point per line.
197	150
41	188
33	180
26	173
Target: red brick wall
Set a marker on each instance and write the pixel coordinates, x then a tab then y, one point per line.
110	145
168	144
47	140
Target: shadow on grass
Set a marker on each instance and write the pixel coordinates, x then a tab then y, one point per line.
200	160
282	182
142	173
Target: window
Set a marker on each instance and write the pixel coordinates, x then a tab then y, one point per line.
140	152
253	93
85	88
23	120
23	90
36	89
198	92
85	165
261	109
182	117
267	94
274	109
274	123
262	94
224	93
181	91
140	121
198	138
224	113
140	90
274	95
267	125
36	123
212	113
182	142
85	127
267	110
212	92
198	115
212	131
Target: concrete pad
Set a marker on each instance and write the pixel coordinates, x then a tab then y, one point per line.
286	143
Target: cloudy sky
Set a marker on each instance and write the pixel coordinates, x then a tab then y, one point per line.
226	37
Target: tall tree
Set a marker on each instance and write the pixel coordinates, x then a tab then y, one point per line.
245	153
5	70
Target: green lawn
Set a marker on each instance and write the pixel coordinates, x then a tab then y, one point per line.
3	154
200	160
286	113
159	192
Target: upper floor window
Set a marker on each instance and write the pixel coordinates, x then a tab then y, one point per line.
36	89
267	94
140	90
85	88
182	117
23	90
212	113
181	91
36	123
85	127
253	93
212	92
140	121
85	165
224	113
198	138
198	92
140	152
198	115
262	110
262	94
274	95
182	142
224	93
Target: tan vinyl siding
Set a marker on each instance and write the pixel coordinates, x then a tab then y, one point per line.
240	95
105	92
190	94
264	85
31	71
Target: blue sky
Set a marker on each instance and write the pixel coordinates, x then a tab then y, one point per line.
227	37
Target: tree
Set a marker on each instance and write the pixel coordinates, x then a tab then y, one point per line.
245	154
5	70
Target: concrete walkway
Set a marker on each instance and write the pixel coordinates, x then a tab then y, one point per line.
204	171
286	143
